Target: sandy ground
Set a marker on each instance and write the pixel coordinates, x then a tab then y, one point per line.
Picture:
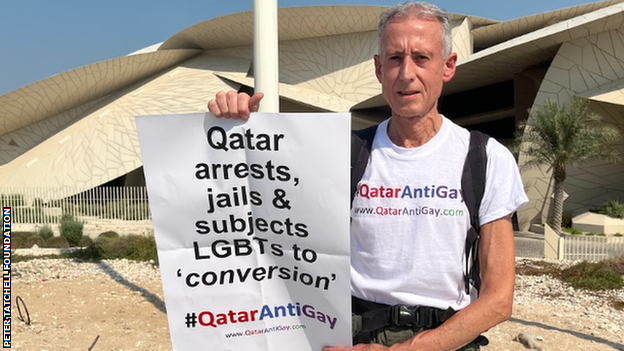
70	313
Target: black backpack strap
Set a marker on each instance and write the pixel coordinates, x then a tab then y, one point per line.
361	145
473	187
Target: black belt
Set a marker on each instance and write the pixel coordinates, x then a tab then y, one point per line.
376	315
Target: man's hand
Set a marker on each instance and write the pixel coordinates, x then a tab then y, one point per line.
358	347
234	105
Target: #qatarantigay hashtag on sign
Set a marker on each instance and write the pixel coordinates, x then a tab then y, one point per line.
266	312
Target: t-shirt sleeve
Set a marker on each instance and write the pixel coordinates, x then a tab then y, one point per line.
504	190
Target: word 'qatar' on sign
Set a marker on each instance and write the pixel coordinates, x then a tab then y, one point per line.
219	139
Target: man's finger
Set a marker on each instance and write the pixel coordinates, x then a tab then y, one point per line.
243	106
222	104
254	102
232	102
214	108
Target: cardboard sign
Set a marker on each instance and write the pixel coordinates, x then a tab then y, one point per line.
252	226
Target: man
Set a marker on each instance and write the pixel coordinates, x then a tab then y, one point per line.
417	260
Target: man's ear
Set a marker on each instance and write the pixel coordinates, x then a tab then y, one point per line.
377	60
450	66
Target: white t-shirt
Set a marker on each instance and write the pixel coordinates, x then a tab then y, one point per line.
409	221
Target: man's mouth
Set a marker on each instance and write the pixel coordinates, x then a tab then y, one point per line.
408	92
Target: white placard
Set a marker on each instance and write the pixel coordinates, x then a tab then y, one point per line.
252	226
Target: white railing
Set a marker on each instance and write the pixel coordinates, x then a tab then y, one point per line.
48	205
581	247
615	245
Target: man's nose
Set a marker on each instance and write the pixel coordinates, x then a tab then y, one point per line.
408	70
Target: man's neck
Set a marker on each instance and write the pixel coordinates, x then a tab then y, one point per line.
414	132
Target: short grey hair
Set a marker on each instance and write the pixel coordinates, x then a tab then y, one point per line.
421	10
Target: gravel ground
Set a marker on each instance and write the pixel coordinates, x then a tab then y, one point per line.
118	305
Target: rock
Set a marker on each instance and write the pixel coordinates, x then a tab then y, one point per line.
529	341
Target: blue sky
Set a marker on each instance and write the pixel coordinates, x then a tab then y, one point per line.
40	38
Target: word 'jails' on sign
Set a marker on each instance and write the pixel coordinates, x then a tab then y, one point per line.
6	278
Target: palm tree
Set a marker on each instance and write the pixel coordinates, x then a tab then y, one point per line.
560	136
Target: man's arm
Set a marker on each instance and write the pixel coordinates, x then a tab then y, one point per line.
494	305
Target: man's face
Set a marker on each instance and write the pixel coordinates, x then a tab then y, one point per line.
411	67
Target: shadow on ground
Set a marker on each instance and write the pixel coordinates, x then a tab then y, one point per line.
149	296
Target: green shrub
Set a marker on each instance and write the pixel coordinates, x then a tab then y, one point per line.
112	248
593	276
45	232
108	235
572	230
18	239
618	234
21	235
612	208
142	248
34	240
18	243
590	234
601	234
57	242
71	229
617	264
133	247
85	241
